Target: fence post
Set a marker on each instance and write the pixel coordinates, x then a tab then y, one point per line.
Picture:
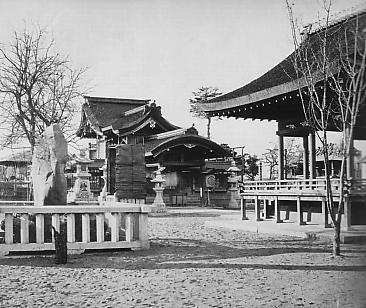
71	228
24	229
85	225
129	227
40	228
9	228
115	227
143	222
100	227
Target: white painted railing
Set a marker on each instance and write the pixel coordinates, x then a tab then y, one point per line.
303	185
290	185
120	225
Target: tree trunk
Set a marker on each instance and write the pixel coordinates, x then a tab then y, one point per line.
337	239
209	127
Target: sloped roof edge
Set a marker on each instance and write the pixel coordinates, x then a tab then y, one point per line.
221	103
189	139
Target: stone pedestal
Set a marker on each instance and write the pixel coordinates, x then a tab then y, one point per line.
233	202
233	189
158	201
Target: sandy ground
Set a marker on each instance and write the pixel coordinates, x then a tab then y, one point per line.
192	265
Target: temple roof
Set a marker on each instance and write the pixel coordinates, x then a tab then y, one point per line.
101	114
183	138
136	119
283	78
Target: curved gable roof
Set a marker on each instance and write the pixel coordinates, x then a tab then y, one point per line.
100	112
156	147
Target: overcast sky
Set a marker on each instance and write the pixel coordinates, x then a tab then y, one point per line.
165	49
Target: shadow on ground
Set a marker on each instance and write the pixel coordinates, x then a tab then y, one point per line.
180	253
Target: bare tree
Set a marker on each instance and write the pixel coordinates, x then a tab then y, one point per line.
293	156
330	70
202	96
38	87
271	160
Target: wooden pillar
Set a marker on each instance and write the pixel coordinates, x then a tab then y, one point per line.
305	142
277	210
281	158
300	219
312	155
257	209
243	210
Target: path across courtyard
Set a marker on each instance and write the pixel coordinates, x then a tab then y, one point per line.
193	262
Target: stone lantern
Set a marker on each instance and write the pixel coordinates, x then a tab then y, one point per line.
159	188
81	191
233	182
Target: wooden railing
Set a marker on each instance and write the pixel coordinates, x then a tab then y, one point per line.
290	185
303	185
28	228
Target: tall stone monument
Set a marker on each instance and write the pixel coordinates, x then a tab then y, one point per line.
48	164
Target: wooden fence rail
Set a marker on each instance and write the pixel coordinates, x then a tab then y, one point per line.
121	225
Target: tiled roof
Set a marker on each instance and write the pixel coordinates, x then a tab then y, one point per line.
105	110
284	72
156	146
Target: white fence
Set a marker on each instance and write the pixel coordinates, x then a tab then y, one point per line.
304	185
290	185
121	225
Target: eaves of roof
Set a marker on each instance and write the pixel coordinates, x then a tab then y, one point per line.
282	78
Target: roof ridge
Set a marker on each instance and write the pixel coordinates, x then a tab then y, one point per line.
103	99
335	18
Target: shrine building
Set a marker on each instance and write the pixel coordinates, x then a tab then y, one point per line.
275	96
110	122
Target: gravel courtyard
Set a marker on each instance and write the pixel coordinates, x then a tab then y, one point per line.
192	265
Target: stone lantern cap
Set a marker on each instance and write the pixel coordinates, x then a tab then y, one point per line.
82	159
158	178
233	167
